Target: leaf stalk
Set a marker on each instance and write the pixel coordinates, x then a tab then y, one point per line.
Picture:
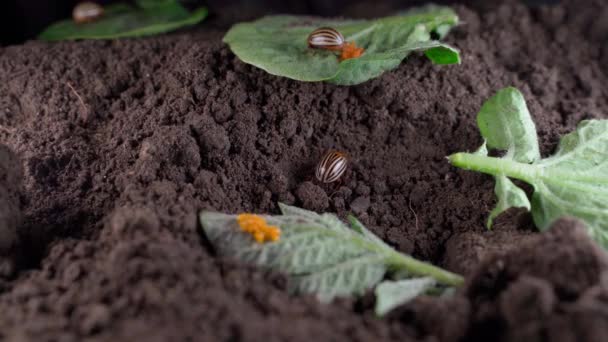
495	166
400	262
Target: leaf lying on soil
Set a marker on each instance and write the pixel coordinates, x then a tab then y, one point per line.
122	20
391	294
572	182
320	254
278	44
153	3
512	131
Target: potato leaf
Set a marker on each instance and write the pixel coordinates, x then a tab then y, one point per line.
505	124
509	196
122	20
572	182
391	294
320	254
278	44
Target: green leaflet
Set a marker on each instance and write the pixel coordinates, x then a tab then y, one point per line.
505	124
575	180
278	44
572	182
320	254
391	294
122	20
482	150
509	196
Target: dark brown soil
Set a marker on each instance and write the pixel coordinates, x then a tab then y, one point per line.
553	287
10	211
121	143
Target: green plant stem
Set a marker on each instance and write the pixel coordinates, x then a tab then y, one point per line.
495	166
398	262
401	262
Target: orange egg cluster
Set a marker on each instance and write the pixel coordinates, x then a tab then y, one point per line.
350	50
258	228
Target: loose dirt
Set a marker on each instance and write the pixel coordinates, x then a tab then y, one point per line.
117	145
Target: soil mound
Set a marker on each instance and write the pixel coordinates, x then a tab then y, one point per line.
553	287
123	142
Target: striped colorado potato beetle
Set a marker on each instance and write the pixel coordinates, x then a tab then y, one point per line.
86	12
326	38
331	167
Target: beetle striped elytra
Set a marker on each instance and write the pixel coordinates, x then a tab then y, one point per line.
331	167
326	38
86	12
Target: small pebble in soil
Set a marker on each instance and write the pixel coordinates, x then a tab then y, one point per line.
360	205
379	187
344	192
96	317
278	183
362	189
312	197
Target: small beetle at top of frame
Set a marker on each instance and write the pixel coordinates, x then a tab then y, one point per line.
86	12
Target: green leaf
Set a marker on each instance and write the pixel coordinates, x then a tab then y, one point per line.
154	3
443	54
278	44
505	123
572	182
391	294
482	150
319	253
509	196
123	20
